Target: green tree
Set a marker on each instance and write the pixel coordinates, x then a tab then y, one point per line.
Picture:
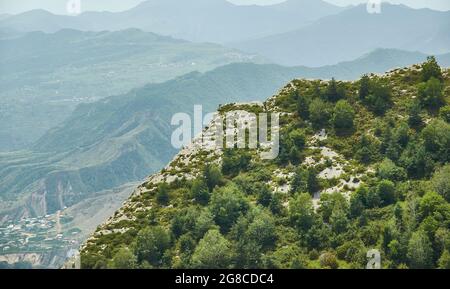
388	170
441	182
162	194
123	259
431	203
151	244
227	205
436	136
262	229
265	194
204	223
330	203
395	251
386	191
301	212
200	192
431	93
298	138
184	221
303	106
420	252
431	69
234	161
213	176
339	220
444	260
358	202
343	116
213	252
379	98
305	180
318	236
416	160
364	87
276	205
334	91
414	118
319	113
254	233
186	246
367	150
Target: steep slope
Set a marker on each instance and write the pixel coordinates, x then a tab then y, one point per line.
122	138
354	32
195	20
49	74
111	142
348	179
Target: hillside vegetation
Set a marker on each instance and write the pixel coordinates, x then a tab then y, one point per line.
123	138
375	177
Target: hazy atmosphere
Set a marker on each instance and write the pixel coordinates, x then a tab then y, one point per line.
58	6
109	158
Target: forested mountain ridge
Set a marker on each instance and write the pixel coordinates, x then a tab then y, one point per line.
363	165
123	138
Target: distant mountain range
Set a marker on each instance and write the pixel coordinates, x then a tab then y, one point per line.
121	139
296	32
354	32
44	76
196	20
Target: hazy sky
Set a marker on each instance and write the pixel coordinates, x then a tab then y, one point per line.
59	6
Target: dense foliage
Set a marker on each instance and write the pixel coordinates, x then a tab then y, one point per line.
394	136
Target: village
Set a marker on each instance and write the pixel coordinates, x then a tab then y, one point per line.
37	235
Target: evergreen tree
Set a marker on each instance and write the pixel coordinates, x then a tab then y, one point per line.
414	118
420	252
319	113
301	212
200	192
364	87
431	93
431	69
303	106
162	194
334	91
343	116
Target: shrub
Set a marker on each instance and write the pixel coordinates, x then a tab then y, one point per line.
328	261
162	194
